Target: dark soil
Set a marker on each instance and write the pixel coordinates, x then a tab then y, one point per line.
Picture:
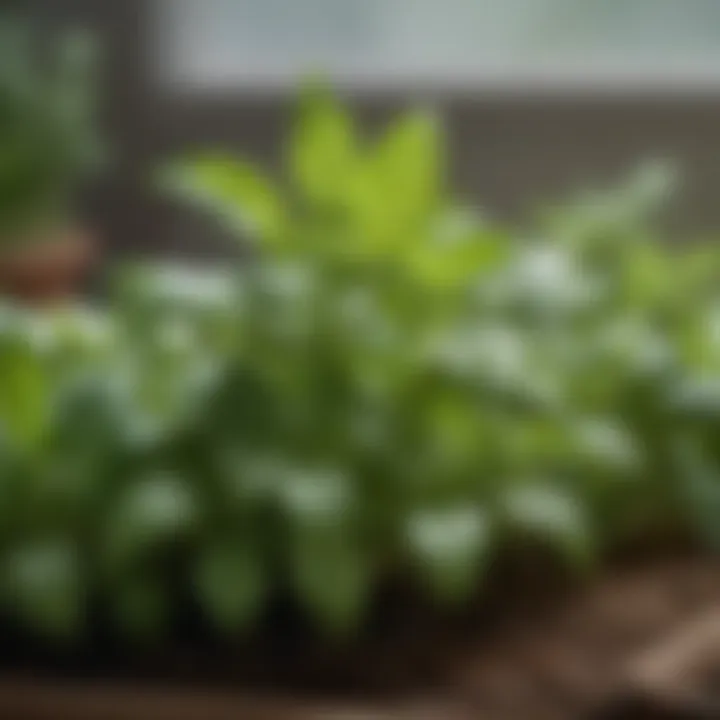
575	658
538	647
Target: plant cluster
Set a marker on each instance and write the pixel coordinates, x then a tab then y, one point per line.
391	385
48	141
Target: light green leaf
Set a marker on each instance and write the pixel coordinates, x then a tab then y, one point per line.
234	189
322	150
24	392
408	163
458	255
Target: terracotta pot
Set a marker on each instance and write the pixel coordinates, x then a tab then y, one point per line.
46	271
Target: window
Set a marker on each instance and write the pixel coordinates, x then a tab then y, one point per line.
256	44
508	150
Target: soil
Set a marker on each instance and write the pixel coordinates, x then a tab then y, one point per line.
577	660
562	651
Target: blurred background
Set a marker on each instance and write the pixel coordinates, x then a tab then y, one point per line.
460	381
541	96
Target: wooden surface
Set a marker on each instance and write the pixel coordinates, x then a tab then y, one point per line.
27	700
637	644
674	678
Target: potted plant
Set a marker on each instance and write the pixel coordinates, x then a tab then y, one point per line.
47	149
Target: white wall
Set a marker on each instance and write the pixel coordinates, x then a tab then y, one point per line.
476	43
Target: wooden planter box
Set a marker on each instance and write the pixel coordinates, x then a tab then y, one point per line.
23	699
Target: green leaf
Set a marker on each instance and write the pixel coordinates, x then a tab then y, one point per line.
697	397
86	419
408	165
235	190
316	496
141	607
550	514
607	443
48	141
24	392
332	574
459	251
322	150
154	513
451	547
231	583
333	577
699	491
44	585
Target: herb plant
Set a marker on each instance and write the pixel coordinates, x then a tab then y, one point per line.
48	140
392	386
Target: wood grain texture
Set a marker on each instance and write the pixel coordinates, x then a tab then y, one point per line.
27	700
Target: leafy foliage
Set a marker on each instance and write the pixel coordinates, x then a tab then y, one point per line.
393	385
47	135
